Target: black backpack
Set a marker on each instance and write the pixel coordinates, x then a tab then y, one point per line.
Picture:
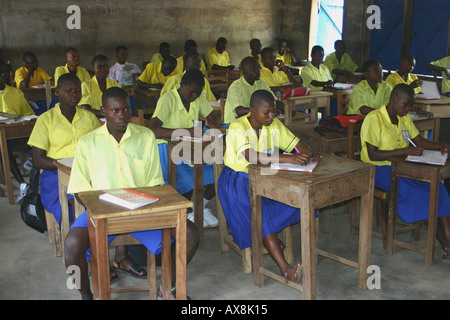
31	208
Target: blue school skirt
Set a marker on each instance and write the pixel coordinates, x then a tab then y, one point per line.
151	239
413	196
185	172
234	195
48	184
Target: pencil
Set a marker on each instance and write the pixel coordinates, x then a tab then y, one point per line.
141	194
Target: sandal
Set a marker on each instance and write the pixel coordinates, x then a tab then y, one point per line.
113	277
134	271
173	291
446	255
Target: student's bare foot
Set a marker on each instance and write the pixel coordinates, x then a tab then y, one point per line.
126	265
291	273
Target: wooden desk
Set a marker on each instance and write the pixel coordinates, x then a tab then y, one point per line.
11	131
196	157
342	97
312	102
145	96
105	218
334	180
439	106
46	93
423	172
355	78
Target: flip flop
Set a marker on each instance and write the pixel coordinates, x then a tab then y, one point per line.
134	270
446	255
299	274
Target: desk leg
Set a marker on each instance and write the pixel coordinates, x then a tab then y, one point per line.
198	201
64	211
98	243
390	238
166	263
287	113
6	166
181	268
308	247
365	232
432	217
256	232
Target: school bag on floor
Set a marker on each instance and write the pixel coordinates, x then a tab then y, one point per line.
336	123
31	209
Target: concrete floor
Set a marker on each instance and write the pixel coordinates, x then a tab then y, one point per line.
30	271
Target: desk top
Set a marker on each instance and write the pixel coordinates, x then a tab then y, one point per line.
147	92
442	101
169	199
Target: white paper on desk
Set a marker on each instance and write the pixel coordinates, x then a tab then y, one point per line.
294	167
343	86
66	161
430	91
215	103
430	157
154	89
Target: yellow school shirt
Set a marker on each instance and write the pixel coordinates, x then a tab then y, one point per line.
13	101
174	83
259	60
39	77
213	57
171	111
241	136
363	95
56	135
91	93
310	73
180	65
394	79
153	75
444	63
378	130
346	63
239	94
82	73
275	79
286	57
100	162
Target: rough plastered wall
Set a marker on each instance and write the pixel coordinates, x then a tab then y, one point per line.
40	26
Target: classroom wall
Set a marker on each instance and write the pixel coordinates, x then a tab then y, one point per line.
40	26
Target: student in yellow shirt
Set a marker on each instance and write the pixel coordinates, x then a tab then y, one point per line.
316	75
13	101
180	109
217	58
156	74
191	60
117	155
371	93
274	72
241	90
93	89
163	53
340	62
30	74
72	59
404	75
442	65
255	50
189	46
248	140
55	136
284	53
382	139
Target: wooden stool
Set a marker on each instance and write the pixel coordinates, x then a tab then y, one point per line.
227	241
54	233
127	240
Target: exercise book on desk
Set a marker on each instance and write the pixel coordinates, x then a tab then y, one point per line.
429	91
294	167
128	198
429	157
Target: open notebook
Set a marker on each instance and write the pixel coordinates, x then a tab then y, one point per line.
430	91
294	167
429	157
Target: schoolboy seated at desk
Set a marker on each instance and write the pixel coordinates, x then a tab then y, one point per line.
122	72
189	46
163	53
371	93
339	62
404	75
217	58
274	72
72	59
180	109
117	155
255	50
382	139
156	74
13	101
191	60
92	90
30	74
248	140
55	136
284	53
442	65
316	75
241	90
